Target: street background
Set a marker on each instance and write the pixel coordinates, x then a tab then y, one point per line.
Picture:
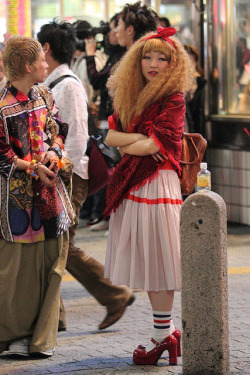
82	349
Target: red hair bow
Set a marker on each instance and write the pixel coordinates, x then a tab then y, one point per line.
163	33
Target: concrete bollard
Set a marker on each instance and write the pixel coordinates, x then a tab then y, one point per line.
203	230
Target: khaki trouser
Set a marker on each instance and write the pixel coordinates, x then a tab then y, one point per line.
30	277
87	270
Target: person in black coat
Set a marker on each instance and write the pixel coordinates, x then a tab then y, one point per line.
99	79
195	104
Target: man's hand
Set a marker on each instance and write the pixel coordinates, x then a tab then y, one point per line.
90	46
47	176
45	157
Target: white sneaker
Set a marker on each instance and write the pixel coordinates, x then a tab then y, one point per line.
20	347
102	225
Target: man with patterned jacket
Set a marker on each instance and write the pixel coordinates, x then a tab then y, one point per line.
35	210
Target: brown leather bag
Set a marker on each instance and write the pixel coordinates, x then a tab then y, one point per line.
193	149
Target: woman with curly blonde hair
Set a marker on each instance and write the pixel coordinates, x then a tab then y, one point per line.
144	195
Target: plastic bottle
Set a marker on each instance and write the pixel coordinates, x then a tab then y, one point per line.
203	178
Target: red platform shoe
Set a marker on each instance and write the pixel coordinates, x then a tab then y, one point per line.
141	357
177	335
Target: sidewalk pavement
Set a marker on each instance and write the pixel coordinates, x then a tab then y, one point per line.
82	349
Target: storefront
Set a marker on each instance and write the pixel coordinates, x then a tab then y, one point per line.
227	66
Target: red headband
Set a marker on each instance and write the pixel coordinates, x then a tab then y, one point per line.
163	33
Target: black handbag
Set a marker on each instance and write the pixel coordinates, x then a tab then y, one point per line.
102	160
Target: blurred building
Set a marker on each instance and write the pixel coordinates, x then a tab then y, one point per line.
38	12
220	30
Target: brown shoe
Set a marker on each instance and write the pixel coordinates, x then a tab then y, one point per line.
111	318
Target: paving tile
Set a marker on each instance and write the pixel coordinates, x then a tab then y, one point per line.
84	350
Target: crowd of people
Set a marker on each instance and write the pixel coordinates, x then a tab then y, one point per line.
143	81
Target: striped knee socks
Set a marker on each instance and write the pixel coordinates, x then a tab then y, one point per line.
162	322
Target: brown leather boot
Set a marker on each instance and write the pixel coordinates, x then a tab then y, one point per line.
114	316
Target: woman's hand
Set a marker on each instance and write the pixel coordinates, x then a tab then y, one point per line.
141	137
141	147
90	46
159	157
117	139
121	150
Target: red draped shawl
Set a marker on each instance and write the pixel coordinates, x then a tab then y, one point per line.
162	120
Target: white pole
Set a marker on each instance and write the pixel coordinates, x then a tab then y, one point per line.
61	10
105	10
156	5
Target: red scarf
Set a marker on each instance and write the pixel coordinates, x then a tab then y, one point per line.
162	120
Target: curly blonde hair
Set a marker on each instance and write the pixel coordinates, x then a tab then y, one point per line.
19	51
128	87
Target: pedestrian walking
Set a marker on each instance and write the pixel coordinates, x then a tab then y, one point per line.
144	195
59	44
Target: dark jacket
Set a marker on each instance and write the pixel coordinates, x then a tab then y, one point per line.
195	109
99	79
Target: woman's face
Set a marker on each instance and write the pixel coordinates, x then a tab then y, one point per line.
152	64
1	66
125	36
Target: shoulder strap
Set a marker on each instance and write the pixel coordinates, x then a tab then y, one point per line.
56	81
43	91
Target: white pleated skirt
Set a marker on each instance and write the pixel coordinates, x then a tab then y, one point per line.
143	248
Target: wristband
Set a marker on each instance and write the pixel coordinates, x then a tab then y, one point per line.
57	151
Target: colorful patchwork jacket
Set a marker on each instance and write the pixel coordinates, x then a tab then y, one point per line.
29	210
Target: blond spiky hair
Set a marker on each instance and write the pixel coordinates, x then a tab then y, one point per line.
19	51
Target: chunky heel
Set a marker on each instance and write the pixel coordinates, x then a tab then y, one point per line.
177	335
173	355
